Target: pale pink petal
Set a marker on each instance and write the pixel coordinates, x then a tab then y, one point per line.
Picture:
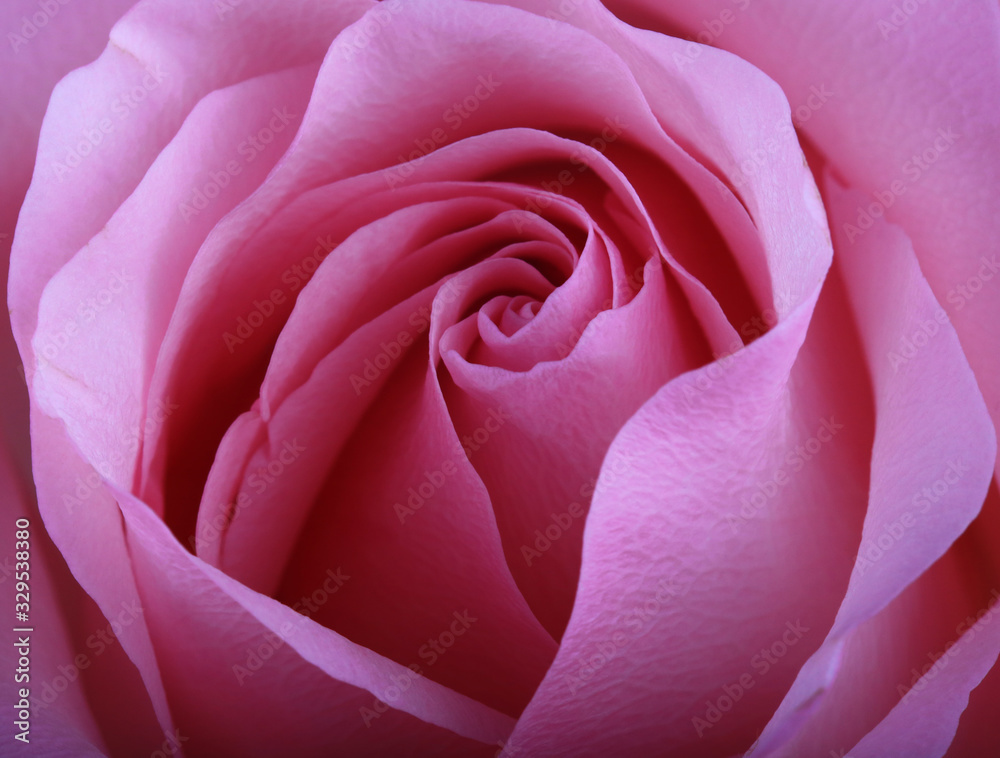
70	36
893	667
130	274
162	59
722	111
977	727
217	343
726	523
901	101
541	489
924	722
916	362
413	525
85	524
404	251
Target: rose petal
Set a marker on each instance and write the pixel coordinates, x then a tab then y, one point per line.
69	38
307	689
68	724
137	101
402	548
761	457
914	83
540	464
86	526
950	439
203	350
383	252
131	273
722	111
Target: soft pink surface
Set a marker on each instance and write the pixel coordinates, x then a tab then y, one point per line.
76	721
574	322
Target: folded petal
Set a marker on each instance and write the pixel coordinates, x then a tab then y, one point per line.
930	470
132	272
901	105
247	674
108	121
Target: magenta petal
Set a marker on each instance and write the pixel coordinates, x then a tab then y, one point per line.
721	110
924	724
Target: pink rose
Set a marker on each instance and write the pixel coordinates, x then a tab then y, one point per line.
437	377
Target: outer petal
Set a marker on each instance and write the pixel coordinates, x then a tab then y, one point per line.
900	100
71	36
131	272
654	627
132	135
949	444
924	723
246	674
335	143
108	122
35	57
69	725
977	728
